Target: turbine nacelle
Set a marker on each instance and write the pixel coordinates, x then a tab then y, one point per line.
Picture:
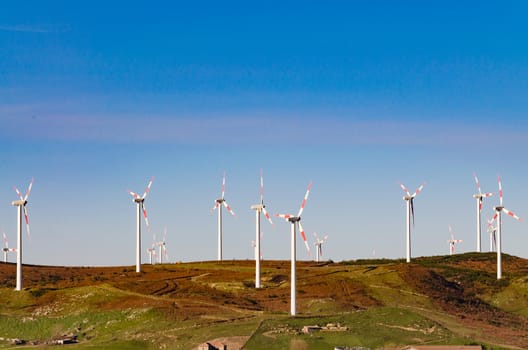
258	207
19	203
294	219
138	200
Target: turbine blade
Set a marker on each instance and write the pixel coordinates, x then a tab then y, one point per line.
266	214
229	208
477	182
18	193
488	194
29	189
147	190
6	243
145	213
261	187
511	214
223	185
284	216
216	206
325	238
133	194
404	188
27	221
303	235
316	238
500	191
494	217
305	199
418	190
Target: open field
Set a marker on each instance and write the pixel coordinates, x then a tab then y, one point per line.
379	304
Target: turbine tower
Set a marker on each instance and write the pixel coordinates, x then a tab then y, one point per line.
258	209
479	197
295	220
319	246
410	212
140	203
6	247
498	215
21	203
218	204
452	241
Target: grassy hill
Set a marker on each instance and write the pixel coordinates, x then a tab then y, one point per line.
378	304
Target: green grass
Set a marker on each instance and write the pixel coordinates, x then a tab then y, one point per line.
373	328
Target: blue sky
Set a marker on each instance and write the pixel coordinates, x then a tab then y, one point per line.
354	96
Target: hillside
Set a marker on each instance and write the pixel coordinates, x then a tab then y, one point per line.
379	303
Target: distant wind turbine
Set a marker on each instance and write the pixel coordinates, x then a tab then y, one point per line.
140	203
258	209
452	241
479	197
498	215
163	248
21	203
319	246
6	247
492	230
218	205
410	212
295	220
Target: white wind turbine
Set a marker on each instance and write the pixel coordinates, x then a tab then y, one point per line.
498	215
452	241
492	230
140	203
479	197
410	212
163	247
152	251
319	246
6	247
258	209
295	220
218	205
21	203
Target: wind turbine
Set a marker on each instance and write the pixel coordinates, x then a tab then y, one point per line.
140	203
6	247
498	215
319	246
452	241
218	204
163	247
492	230
152	251
479	197
295	220
21	203
410	212
258	209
